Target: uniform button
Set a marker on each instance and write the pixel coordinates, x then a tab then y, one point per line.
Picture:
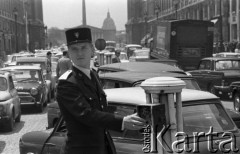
102	106
90	98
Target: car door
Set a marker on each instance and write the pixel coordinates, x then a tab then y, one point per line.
126	141
15	97
201	75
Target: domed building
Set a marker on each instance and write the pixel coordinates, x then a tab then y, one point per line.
109	29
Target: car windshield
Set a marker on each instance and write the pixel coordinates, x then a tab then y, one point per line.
26	76
3	84
123	56
228	65
199	118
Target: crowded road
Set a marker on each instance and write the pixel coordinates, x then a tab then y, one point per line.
32	121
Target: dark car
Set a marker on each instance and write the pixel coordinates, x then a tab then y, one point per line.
201	110
134	79
49	76
139	67
215	74
10	109
30	85
235	94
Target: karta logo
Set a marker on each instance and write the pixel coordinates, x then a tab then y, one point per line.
224	142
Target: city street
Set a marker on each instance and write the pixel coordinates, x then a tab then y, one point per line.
32	121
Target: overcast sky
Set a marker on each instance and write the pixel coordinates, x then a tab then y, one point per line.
68	13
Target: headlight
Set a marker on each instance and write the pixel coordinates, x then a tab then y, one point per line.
34	91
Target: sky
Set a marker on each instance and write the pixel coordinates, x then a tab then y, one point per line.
68	13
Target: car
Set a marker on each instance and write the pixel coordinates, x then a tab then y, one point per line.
30	84
129	48
139	67
134	79
140	54
10	109
48	76
12	59
215	74
201	110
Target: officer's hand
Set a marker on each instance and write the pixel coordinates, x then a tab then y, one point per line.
133	122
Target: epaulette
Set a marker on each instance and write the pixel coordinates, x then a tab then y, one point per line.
66	75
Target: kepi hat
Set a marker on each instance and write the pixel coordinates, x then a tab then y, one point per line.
78	35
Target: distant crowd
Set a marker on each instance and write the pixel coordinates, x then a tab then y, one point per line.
233	46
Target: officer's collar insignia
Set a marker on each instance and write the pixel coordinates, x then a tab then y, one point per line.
76	34
65	75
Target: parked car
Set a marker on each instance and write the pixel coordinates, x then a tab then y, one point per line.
134	79
12	59
140	54
201	110
215	74
10	109
30	84
129	48
48	76
139	67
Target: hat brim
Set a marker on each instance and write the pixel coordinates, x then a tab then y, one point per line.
78	41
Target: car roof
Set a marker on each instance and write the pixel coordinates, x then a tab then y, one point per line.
140	67
221	58
137	96
22	67
132	77
32	59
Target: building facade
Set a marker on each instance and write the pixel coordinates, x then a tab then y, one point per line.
143	13
17	19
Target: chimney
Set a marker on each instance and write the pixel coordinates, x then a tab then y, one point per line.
84	22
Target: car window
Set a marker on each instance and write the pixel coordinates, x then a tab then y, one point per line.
26	75
205	65
227	65
3	84
124	110
11	85
109	84
199	118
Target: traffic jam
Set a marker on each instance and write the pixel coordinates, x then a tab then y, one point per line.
177	72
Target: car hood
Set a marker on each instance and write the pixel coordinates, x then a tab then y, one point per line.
35	137
26	85
4	95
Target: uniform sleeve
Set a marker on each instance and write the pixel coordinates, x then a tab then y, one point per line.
57	70
78	106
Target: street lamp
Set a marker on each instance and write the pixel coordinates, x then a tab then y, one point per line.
157	8
220	27
175	3
15	12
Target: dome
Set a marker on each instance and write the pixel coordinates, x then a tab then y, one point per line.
108	23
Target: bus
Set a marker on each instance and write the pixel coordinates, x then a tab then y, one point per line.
187	41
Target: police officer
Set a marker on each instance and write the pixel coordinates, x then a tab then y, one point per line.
82	102
64	64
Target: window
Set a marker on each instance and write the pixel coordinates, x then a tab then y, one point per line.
109	84
11	85
205	65
3	84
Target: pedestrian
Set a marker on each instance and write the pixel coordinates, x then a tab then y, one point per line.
237	49
49	65
82	102
64	64
116	59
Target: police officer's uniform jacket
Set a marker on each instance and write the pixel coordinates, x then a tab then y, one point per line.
82	102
